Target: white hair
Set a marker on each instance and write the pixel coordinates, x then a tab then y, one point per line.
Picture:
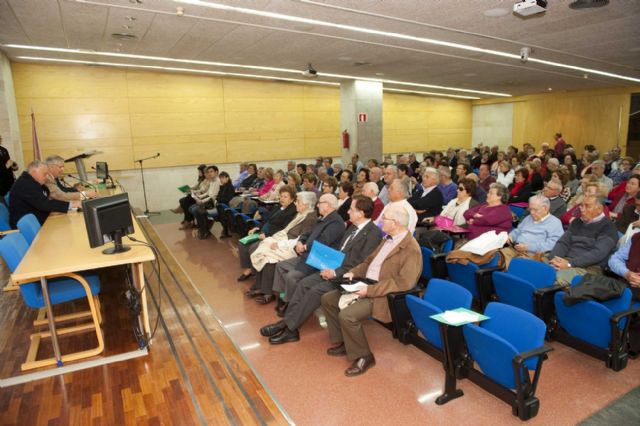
331	200
371	186
399	214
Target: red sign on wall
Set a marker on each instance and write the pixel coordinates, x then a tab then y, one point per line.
362	117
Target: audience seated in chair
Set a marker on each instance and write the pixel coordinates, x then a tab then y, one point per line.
202	215
427	199
586	245
494	215
394	266
536	234
398	193
360	239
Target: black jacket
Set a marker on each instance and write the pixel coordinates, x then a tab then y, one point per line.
430	203
278	219
328	230
28	196
343	210
361	246
226	193
523	194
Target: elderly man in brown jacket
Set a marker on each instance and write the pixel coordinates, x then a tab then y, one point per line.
395	266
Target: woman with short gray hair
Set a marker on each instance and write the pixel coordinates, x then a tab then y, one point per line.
494	215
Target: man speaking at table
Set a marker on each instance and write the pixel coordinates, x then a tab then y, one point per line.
29	194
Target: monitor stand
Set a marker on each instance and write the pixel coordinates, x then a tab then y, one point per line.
118	246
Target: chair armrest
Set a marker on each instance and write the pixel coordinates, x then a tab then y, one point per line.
544	305
400	315
523	356
615	318
484	284
10	231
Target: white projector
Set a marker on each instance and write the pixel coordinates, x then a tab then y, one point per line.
530	7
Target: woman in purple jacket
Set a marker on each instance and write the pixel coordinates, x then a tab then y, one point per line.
494	215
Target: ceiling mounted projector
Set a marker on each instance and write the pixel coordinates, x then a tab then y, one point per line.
310	72
530	7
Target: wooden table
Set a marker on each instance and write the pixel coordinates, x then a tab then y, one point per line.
62	246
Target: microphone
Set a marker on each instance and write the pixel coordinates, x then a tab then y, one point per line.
84	182
148	158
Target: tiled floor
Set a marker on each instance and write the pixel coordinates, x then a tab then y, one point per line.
402	387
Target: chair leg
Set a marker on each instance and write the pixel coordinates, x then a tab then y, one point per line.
31	361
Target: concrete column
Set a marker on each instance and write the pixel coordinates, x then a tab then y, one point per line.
9	127
362	97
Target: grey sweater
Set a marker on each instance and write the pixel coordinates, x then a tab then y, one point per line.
587	244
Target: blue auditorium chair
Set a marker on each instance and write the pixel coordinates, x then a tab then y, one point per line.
440	296
29	227
526	285
429	260
506	348
62	288
468	276
599	329
4	218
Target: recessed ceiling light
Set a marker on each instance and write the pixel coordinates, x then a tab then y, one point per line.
549	89
127	27
496	12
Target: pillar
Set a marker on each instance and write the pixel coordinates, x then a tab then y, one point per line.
361	117
9	127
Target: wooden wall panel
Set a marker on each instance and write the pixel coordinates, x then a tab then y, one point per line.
414	123
598	117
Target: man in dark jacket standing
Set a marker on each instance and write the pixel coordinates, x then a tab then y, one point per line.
30	195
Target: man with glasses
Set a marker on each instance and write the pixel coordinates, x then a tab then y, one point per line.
57	189
557	206
394	266
328	230
587	244
360	239
537	233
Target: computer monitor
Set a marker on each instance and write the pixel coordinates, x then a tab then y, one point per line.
108	219
102	170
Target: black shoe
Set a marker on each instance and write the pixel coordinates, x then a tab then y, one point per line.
280	310
286	336
252	292
360	366
273	329
265	299
245	277
338	350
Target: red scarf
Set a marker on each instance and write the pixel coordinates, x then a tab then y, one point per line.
516	188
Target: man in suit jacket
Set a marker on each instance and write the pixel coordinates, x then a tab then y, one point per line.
328	230
428	201
30	195
55	166
361	238
395	265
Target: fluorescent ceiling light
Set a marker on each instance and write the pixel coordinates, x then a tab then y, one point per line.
388	89
191	70
291	18
251	67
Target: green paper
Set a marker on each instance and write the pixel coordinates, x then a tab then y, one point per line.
250	238
472	317
184	189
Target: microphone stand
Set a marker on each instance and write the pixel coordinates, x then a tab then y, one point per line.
144	189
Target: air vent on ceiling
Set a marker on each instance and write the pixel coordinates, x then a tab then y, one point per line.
588	4
124	36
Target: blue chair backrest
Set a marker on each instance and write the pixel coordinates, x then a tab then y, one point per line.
590	320
29	227
517	211
465	275
4	218
495	343
13	247
440	296
524	276
427	273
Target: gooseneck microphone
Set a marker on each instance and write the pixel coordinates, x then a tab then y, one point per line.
84	182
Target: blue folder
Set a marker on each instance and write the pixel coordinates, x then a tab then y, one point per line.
324	257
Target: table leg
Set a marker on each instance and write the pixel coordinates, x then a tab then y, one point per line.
450	389
52	323
138	279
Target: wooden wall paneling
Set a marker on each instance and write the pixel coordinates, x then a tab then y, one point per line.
264	147
142	84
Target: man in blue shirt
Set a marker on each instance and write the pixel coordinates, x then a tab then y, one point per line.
244	172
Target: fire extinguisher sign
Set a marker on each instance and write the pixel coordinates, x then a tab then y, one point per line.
362	117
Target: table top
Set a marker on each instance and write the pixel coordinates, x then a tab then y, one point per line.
62	246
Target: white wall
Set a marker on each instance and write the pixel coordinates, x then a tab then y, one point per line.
492	125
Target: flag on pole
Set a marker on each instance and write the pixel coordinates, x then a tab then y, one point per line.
34	135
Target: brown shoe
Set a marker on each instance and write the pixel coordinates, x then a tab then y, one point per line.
338	350
360	366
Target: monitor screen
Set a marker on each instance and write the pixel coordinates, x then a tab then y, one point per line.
108	219
102	170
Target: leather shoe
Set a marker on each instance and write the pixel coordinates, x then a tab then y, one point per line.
360	365
280	310
273	329
253	292
286	336
338	350
245	277
265	299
